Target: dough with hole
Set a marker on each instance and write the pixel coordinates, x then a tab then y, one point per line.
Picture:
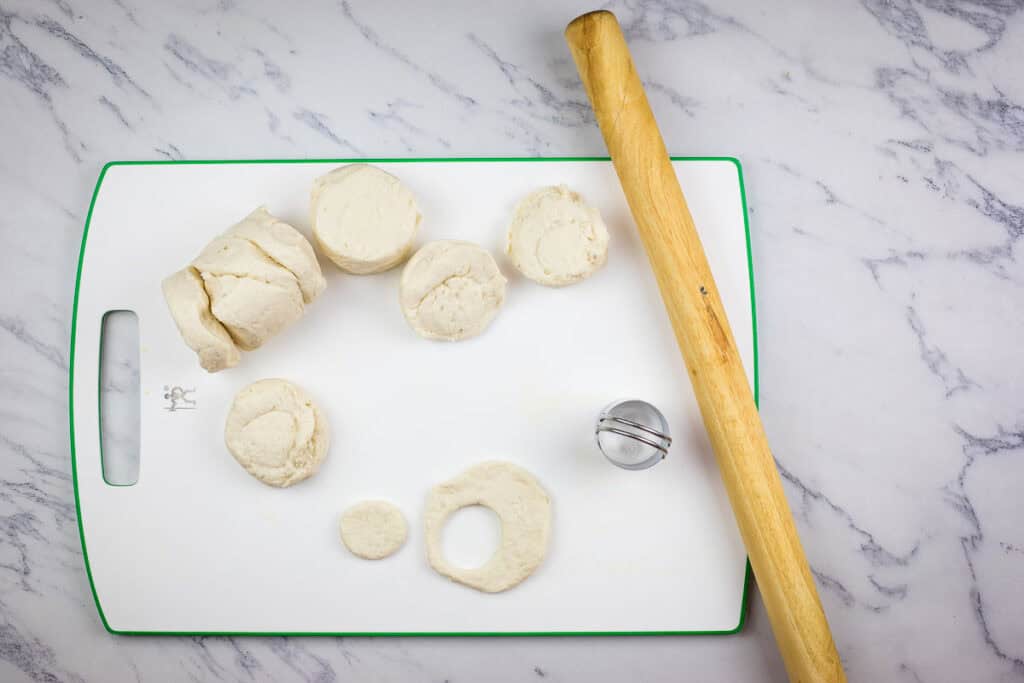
364	219
451	290
373	529
276	432
555	238
190	308
521	504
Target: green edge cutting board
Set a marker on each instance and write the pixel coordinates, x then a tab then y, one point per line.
199	546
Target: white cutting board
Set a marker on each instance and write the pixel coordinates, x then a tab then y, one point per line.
199	546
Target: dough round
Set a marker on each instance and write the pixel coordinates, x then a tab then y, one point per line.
190	308
521	504
285	245
555	239
451	290
373	529
276	432
250	294
363	218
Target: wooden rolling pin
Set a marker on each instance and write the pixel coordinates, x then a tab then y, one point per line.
695	309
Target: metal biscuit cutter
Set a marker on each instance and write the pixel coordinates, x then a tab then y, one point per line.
632	434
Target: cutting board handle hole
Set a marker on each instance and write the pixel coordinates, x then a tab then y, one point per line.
471	536
119	398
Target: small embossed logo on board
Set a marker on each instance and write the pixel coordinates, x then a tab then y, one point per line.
179	398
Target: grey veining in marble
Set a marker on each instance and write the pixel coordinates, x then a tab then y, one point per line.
882	145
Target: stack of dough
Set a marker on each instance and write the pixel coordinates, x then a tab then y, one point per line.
190	308
246	286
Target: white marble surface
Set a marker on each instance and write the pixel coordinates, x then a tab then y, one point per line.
881	143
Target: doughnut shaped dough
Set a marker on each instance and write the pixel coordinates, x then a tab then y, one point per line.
285	245
373	529
251	295
276	432
555	239
363	218
190	307
521	504
451	290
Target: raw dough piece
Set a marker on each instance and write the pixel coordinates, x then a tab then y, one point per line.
190	308
521	504
363	218
285	245
555	239
251	295
451	290
253	281
276	432
373	529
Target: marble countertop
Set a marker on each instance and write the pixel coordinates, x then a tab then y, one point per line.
881	144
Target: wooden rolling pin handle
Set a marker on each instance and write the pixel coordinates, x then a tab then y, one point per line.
705	339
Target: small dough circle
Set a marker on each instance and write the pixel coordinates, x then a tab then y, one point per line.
451	290
276	432
373	529
521	504
555	239
364	219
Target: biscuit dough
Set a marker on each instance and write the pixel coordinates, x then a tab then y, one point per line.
190	307
276	432
363	218
521	504
451	290
373	529
249	284
250	294
555	239
285	245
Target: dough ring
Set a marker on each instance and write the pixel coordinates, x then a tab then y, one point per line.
521	504
373	529
276	432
